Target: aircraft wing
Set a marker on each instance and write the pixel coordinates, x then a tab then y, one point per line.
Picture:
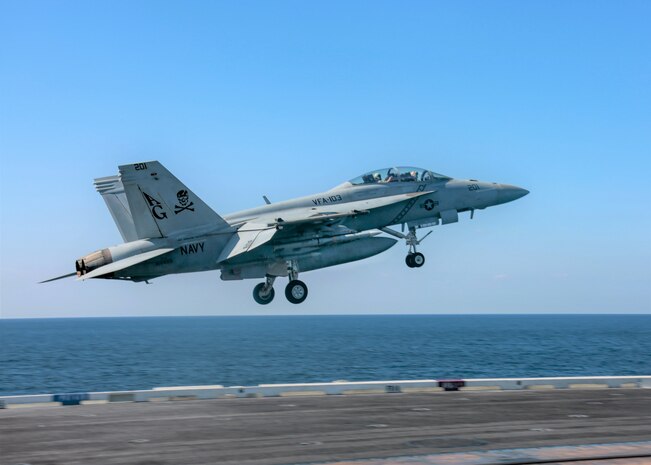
125	263
249	236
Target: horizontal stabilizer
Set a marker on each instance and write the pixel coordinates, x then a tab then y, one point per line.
58	277
247	238
124	263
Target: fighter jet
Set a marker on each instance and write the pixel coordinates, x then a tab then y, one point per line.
167	229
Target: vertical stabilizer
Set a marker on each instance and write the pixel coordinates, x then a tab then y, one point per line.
113	194
161	205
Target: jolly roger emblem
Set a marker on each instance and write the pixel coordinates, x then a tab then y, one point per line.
183	202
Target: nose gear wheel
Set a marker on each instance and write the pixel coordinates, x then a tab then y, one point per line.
415	260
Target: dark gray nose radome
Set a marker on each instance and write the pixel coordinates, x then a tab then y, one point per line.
509	193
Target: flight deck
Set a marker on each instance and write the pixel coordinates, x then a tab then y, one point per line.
472	427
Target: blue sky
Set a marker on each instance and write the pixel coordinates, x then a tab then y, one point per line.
241	99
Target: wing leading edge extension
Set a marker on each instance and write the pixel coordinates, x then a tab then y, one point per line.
253	234
302	216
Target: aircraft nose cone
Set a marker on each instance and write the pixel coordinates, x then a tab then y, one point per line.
508	193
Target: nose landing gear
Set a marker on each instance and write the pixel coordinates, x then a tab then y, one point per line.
413	259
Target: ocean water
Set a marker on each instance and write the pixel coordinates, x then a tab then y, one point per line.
97	354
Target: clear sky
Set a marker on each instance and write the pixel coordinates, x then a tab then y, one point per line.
241	99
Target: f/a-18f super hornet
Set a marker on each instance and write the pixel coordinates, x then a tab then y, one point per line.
167	229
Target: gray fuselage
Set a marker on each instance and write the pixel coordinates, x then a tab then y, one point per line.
334	243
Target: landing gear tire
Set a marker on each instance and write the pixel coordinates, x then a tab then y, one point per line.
415	260
259	297
296	291
409	260
418	259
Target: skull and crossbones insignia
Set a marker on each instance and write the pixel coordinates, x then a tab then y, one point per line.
184	202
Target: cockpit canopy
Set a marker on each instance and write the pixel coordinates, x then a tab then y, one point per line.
398	174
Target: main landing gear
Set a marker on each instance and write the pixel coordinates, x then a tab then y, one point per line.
295	291
264	293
